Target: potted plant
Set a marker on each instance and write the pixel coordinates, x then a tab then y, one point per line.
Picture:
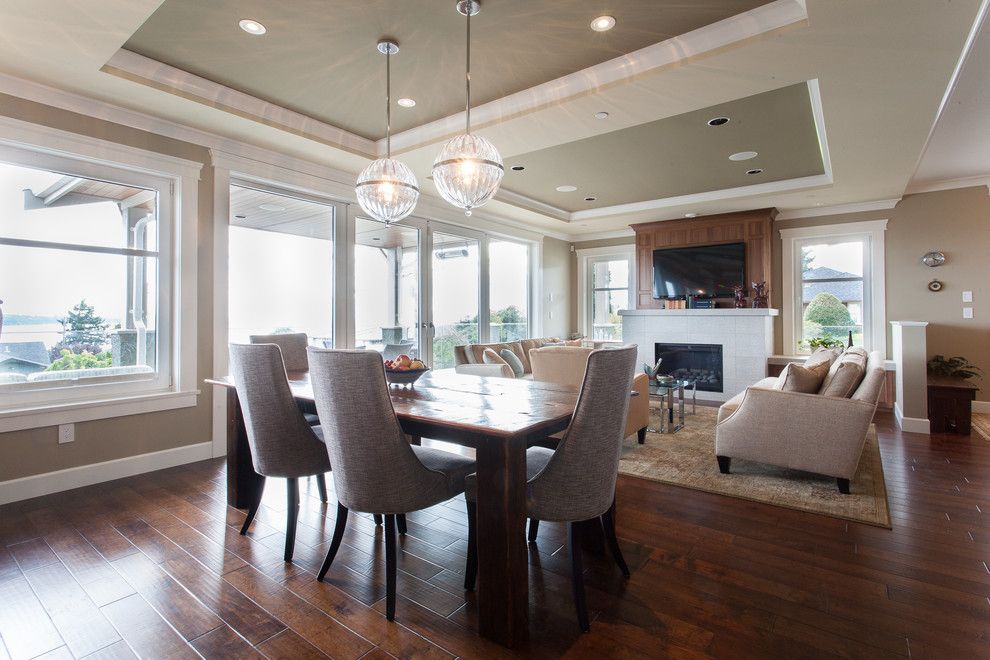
823	341
953	367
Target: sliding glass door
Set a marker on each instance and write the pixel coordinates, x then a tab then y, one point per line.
509	287
455	267
386	288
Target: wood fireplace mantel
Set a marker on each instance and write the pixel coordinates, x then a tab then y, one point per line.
754	228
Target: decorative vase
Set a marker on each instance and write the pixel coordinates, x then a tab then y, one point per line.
759	295
739	291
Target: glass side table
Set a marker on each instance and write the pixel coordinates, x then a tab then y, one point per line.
666	391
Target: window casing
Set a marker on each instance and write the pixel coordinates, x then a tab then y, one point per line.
833	281
606	285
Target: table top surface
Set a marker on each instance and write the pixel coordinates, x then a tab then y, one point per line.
658	386
950	381
488	406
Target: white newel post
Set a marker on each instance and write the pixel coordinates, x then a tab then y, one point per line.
910	353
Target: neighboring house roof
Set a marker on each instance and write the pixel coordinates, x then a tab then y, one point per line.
33	352
845	291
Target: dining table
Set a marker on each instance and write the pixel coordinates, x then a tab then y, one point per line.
497	417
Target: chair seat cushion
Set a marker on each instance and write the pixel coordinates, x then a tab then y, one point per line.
536	459
454	466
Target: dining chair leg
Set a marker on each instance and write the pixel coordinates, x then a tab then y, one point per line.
338	536
577	574
253	510
321	485
400	521
534	529
378	518
292	513
608	526
471	566
390	567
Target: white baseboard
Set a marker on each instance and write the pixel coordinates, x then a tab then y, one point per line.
911	424
981	407
87	475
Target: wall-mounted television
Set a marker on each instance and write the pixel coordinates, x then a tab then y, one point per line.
706	271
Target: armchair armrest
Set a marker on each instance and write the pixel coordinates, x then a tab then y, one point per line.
808	432
490	370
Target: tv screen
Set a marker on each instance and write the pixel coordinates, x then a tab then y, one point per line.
708	271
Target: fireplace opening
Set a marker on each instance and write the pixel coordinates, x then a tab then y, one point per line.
701	362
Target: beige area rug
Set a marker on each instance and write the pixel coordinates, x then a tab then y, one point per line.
981	424
687	458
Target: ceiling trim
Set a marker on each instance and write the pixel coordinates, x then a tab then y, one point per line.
838	209
949	184
747	25
146	71
974	32
530	204
626	232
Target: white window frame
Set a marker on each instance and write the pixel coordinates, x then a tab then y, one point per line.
872	233
175	385
587	258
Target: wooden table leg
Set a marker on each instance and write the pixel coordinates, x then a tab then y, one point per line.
243	483
503	582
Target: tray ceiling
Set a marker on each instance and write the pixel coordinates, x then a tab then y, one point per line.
319	58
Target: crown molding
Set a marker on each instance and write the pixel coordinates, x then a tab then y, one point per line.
838	209
530	204
949	184
146	71
625	232
726	32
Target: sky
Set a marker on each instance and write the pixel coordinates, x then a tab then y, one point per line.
846	257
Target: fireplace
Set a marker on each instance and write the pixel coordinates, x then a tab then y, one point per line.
701	362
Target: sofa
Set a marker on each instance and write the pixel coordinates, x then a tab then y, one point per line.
563	364
821	431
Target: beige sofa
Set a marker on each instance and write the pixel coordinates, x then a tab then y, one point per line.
565	365
810	432
469	359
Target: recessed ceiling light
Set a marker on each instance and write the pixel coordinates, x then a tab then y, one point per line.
691	215
518	168
375	238
758	170
275	208
743	155
406	103
240	217
252	27
603	24
718	121
601	115
590	199
566	188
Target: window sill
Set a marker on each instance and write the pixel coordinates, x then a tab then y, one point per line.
84	411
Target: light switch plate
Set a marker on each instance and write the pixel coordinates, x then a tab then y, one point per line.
967	296
967	312
66	433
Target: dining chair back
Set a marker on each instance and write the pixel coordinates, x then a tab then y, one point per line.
293	347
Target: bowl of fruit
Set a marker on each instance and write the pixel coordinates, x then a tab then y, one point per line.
404	370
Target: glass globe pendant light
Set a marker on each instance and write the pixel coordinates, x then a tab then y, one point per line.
468	169
387	189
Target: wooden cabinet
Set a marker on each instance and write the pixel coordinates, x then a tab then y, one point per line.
754	228
950	404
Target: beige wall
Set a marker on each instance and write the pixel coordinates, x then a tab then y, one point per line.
37	451
956	222
558	298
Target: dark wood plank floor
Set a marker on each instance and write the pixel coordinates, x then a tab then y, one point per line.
153	566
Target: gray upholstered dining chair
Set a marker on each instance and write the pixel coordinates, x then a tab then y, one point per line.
376	470
576	481
293	346
282	443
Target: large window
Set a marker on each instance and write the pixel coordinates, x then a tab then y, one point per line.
80	268
605	283
509	270
280	266
831	293
456	267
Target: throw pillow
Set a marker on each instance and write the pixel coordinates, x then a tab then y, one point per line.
513	361
826	355
797	378
851	378
491	357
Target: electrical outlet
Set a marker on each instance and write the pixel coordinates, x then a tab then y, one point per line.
66	433
967	312
967	296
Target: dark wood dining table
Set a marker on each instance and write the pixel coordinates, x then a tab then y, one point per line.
499	418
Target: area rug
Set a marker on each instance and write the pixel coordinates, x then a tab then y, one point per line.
981	424
687	458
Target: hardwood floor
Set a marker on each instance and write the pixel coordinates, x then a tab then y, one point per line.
153	566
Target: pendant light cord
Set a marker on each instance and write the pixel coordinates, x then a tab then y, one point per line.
467	77
388	102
